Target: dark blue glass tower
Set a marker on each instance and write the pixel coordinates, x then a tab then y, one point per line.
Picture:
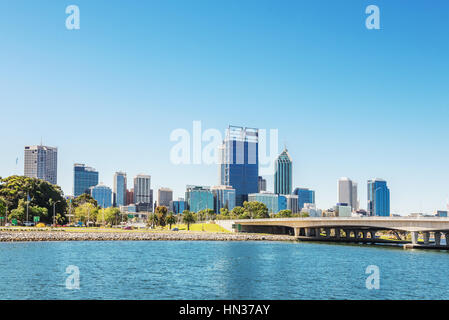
304	196
84	178
240	163
378	198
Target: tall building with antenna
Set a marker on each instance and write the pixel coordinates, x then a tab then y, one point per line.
41	162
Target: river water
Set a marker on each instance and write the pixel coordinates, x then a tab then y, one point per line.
218	270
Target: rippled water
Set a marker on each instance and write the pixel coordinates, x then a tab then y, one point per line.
218	270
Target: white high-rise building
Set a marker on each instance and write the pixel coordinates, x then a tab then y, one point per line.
347	192
41	162
142	189
164	197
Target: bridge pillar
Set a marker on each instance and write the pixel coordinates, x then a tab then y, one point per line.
364	234
317	232
328	232
426	236
373	234
297	231
437	236
308	232
357	234
415	236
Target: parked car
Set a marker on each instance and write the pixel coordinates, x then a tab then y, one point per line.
28	224
175	229
127	228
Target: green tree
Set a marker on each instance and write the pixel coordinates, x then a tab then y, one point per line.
40	192
256	210
112	216
86	212
237	212
188	218
161	213
20	212
284	214
82	199
170	219
224	212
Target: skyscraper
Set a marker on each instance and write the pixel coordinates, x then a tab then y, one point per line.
304	196
120	189
41	162
345	191
102	194
378	198
240	163
283	173
262	184
83	178
355	201
164	197
142	191
199	198
224	197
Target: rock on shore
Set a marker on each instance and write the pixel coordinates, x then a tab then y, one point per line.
21	236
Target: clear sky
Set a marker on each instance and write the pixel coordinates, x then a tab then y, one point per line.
347	101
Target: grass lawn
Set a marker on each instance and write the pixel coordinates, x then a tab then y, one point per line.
197	227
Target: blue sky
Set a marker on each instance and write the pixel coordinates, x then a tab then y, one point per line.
347	101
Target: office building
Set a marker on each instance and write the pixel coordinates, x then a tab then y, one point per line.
130	196
224	197
304	196
120	189
143	194
262	183
83	179
378	198
343	210
199	198
164	197
240	163
41	162
283	174
292	202
102	194
178	206
355	201
274	202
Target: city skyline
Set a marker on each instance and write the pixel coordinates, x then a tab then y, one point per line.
360	103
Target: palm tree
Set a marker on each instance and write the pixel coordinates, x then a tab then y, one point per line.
188	218
170	219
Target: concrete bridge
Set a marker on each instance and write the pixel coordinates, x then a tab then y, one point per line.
350	229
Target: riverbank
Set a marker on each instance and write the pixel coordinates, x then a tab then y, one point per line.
26	236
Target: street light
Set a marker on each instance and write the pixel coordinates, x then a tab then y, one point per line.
54	212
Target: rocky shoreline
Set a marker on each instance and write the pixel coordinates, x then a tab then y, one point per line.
31	236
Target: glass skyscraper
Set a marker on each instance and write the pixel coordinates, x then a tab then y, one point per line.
378	198
103	195
120	189
304	196
224	197
178	206
84	178
283	174
199	198
274	202
239	165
